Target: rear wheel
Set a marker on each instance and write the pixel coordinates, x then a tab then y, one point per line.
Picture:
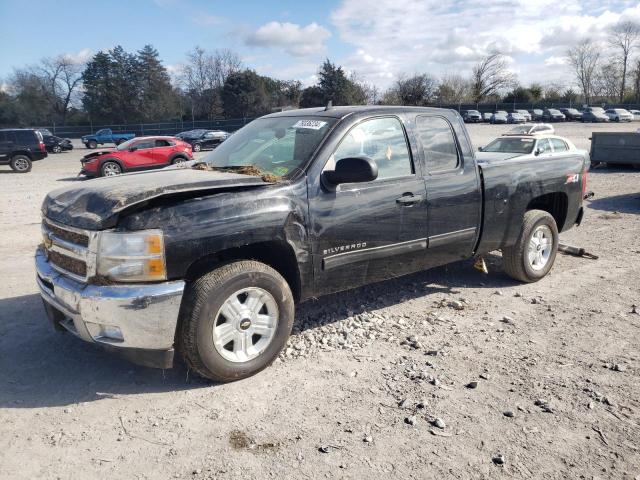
57	149
20	164
533	255
197	147
235	320
109	169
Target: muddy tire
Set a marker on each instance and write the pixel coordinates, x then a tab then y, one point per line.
235	320
533	255
20	164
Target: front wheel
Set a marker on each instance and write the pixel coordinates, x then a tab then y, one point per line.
533	255
110	169
57	149
92	144
235	320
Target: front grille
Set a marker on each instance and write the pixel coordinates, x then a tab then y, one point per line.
70	250
77	267
68	235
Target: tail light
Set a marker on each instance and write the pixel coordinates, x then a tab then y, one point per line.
41	147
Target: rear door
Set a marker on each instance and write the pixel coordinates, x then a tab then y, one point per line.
453	189
6	146
162	152
365	232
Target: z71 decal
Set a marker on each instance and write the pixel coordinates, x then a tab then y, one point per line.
573	178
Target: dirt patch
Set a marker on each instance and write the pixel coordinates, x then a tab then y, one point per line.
239	440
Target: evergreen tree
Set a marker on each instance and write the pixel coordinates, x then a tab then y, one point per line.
245	94
158	100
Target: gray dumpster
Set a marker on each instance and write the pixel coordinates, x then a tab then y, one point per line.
614	147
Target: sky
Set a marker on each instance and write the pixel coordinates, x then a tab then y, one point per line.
380	40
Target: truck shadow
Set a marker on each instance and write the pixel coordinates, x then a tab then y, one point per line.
42	368
626	203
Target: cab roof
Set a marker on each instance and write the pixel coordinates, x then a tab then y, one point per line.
344	111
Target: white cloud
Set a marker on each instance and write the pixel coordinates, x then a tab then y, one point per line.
438	36
290	37
81	56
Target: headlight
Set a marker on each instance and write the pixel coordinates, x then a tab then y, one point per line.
132	256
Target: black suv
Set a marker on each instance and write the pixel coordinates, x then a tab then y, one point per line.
19	147
204	139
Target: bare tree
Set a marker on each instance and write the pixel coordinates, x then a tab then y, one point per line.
624	37
489	76
204	75
584	59
453	88
608	80
62	77
416	90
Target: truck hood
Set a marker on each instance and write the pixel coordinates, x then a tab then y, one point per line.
96	204
488	156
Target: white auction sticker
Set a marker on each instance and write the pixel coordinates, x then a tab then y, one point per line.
312	124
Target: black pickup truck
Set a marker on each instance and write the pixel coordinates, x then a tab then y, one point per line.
209	259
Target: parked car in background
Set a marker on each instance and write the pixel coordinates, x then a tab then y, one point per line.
531	129
553	115
619	115
636	114
500	117
541	146
486	117
55	144
186	133
572	114
515	117
106	135
471	116
19	147
594	114
142	153
205	139
536	114
525	114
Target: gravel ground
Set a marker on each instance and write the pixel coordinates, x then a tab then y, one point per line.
446	373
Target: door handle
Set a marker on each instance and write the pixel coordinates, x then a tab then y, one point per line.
409	199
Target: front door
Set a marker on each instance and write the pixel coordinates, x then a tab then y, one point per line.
365	232
6	146
142	156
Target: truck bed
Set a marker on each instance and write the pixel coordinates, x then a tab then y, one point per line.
510	186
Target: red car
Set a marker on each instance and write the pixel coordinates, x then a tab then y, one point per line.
141	153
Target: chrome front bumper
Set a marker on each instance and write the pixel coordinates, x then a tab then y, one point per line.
137	316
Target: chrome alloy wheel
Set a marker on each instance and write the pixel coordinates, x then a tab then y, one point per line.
111	169
245	324
21	164
540	246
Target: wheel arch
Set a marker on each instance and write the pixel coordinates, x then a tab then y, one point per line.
278	254
556	204
25	153
111	159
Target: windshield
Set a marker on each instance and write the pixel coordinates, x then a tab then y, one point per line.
276	146
597	110
510	145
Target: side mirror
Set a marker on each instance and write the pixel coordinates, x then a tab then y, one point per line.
479	149
133	149
537	152
352	170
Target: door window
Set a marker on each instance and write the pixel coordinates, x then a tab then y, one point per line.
382	140
162	143
438	143
144	144
559	145
544	146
